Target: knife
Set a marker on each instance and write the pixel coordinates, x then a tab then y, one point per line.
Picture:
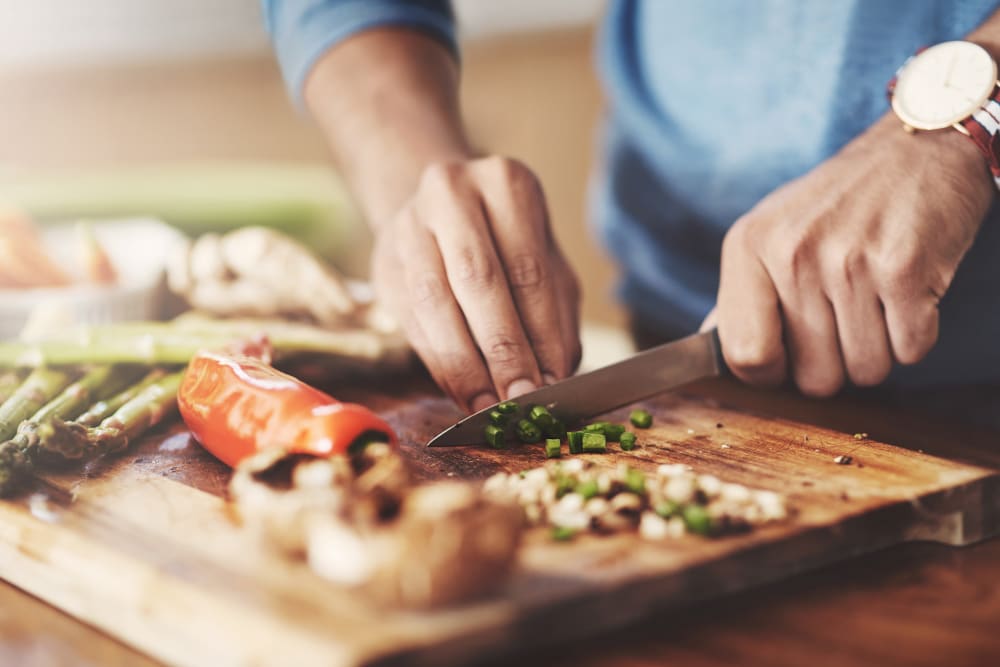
646	374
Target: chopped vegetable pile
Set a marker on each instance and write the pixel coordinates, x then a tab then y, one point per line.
539	425
577	496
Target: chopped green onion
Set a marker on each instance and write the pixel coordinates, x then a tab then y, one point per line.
498	418
553	448
587	489
628	441
641	418
507	407
613	432
537	411
594	443
563	533
556	430
667	508
635	481
575	440
696	519
596	427
495	437
522	474
528	432
542	418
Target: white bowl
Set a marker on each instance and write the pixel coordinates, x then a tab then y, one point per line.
138	249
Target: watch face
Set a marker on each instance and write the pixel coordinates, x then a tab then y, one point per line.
943	85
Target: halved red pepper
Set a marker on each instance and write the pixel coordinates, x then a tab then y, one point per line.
237	405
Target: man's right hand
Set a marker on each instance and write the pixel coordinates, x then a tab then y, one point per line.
471	269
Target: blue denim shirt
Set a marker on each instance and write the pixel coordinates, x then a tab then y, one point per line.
713	105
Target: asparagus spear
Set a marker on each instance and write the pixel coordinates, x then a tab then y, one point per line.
99	411
97	383
165	343
9	382
72	440
17	454
39	388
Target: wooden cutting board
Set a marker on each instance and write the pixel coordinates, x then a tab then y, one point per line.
143	546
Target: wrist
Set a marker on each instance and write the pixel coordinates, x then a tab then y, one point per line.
957	157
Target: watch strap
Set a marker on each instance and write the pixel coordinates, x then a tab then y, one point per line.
983	128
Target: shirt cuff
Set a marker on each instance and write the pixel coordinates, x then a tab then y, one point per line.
303	30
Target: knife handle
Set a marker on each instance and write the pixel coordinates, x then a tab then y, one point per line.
720	361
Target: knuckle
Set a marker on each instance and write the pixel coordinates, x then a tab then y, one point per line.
526	271
844	272
463	376
503	349
795	259
901	273
506	169
473	267
853	265
443	176
427	288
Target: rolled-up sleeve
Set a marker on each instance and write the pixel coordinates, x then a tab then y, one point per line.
303	30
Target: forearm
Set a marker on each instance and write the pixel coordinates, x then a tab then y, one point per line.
387	101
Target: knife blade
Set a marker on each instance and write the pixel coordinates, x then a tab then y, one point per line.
646	374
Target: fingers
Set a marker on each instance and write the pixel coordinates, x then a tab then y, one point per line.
434	322
913	327
515	209
477	279
569	315
813	347
911	300
861	327
750	327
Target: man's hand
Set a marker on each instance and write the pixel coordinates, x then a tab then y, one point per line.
471	269
839	273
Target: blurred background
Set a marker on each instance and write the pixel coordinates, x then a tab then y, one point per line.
176	108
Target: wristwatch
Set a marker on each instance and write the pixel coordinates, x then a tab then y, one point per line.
951	84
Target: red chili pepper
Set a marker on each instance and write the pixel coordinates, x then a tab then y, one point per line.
238	405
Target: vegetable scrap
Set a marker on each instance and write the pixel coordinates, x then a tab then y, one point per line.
577	496
860	436
553	448
641	419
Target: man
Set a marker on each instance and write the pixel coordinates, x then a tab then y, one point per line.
753	175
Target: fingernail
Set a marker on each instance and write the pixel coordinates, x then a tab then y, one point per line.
519	387
482	401
549	378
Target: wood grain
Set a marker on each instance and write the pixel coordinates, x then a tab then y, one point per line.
142	547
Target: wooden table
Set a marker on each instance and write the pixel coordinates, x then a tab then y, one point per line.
915	605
